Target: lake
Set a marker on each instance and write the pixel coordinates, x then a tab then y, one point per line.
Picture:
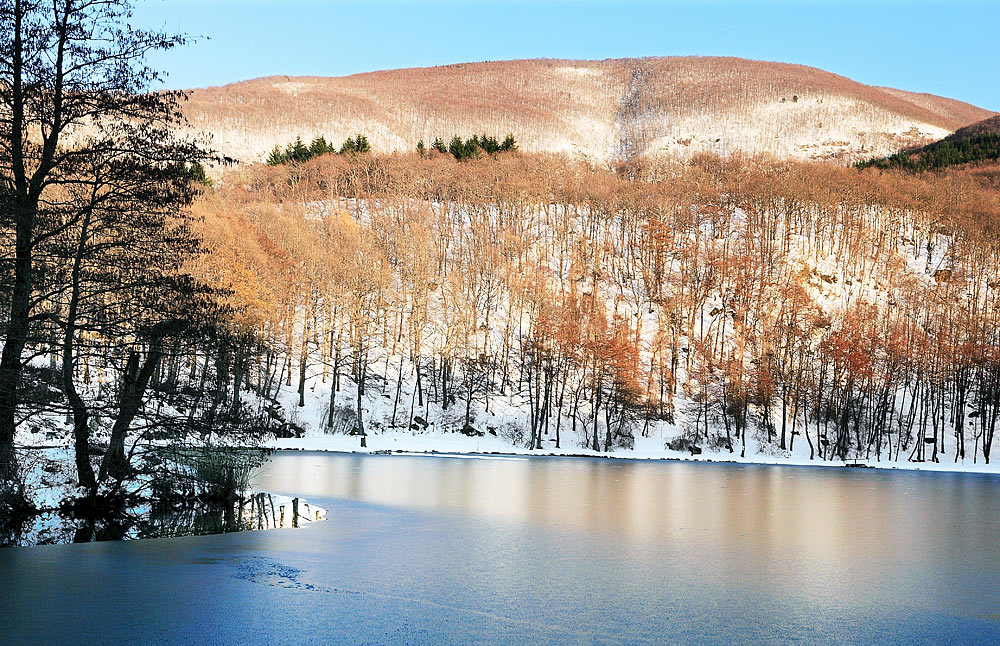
454	550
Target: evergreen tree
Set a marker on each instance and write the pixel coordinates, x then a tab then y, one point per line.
196	172
489	144
472	148
298	151
348	147
319	147
947	152
276	157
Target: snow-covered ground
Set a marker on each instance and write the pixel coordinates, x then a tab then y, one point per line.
652	448
394	419
503	427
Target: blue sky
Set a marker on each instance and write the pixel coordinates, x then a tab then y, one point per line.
947	48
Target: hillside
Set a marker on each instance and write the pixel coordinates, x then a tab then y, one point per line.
743	309
600	110
978	142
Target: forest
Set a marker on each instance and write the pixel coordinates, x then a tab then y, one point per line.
943	154
751	304
979	142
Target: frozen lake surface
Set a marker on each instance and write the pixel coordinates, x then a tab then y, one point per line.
453	550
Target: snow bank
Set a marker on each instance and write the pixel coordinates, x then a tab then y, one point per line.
457	445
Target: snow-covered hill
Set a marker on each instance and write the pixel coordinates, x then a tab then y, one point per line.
597	110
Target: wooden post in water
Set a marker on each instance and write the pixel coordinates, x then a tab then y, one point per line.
273	517
295	512
282	524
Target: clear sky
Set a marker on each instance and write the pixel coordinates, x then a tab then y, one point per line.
951	48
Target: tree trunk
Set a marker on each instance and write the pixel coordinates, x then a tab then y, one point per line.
332	412
221	377
597	406
23	212
10	361
81	416
115	465
399	391
361	423
303	359
239	368
361	391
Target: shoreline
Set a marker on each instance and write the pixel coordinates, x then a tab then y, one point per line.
330	444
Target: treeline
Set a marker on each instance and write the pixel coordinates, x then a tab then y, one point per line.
747	305
297	151
942	154
471	148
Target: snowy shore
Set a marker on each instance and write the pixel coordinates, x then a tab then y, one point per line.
651	448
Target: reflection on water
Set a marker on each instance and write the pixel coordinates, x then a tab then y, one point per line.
819	527
827	512
185	518
453	551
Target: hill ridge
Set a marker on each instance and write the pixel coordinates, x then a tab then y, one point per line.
600	110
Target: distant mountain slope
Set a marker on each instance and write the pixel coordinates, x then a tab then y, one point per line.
974	143
989	126
601	110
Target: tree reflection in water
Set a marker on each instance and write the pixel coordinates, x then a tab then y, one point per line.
250	511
